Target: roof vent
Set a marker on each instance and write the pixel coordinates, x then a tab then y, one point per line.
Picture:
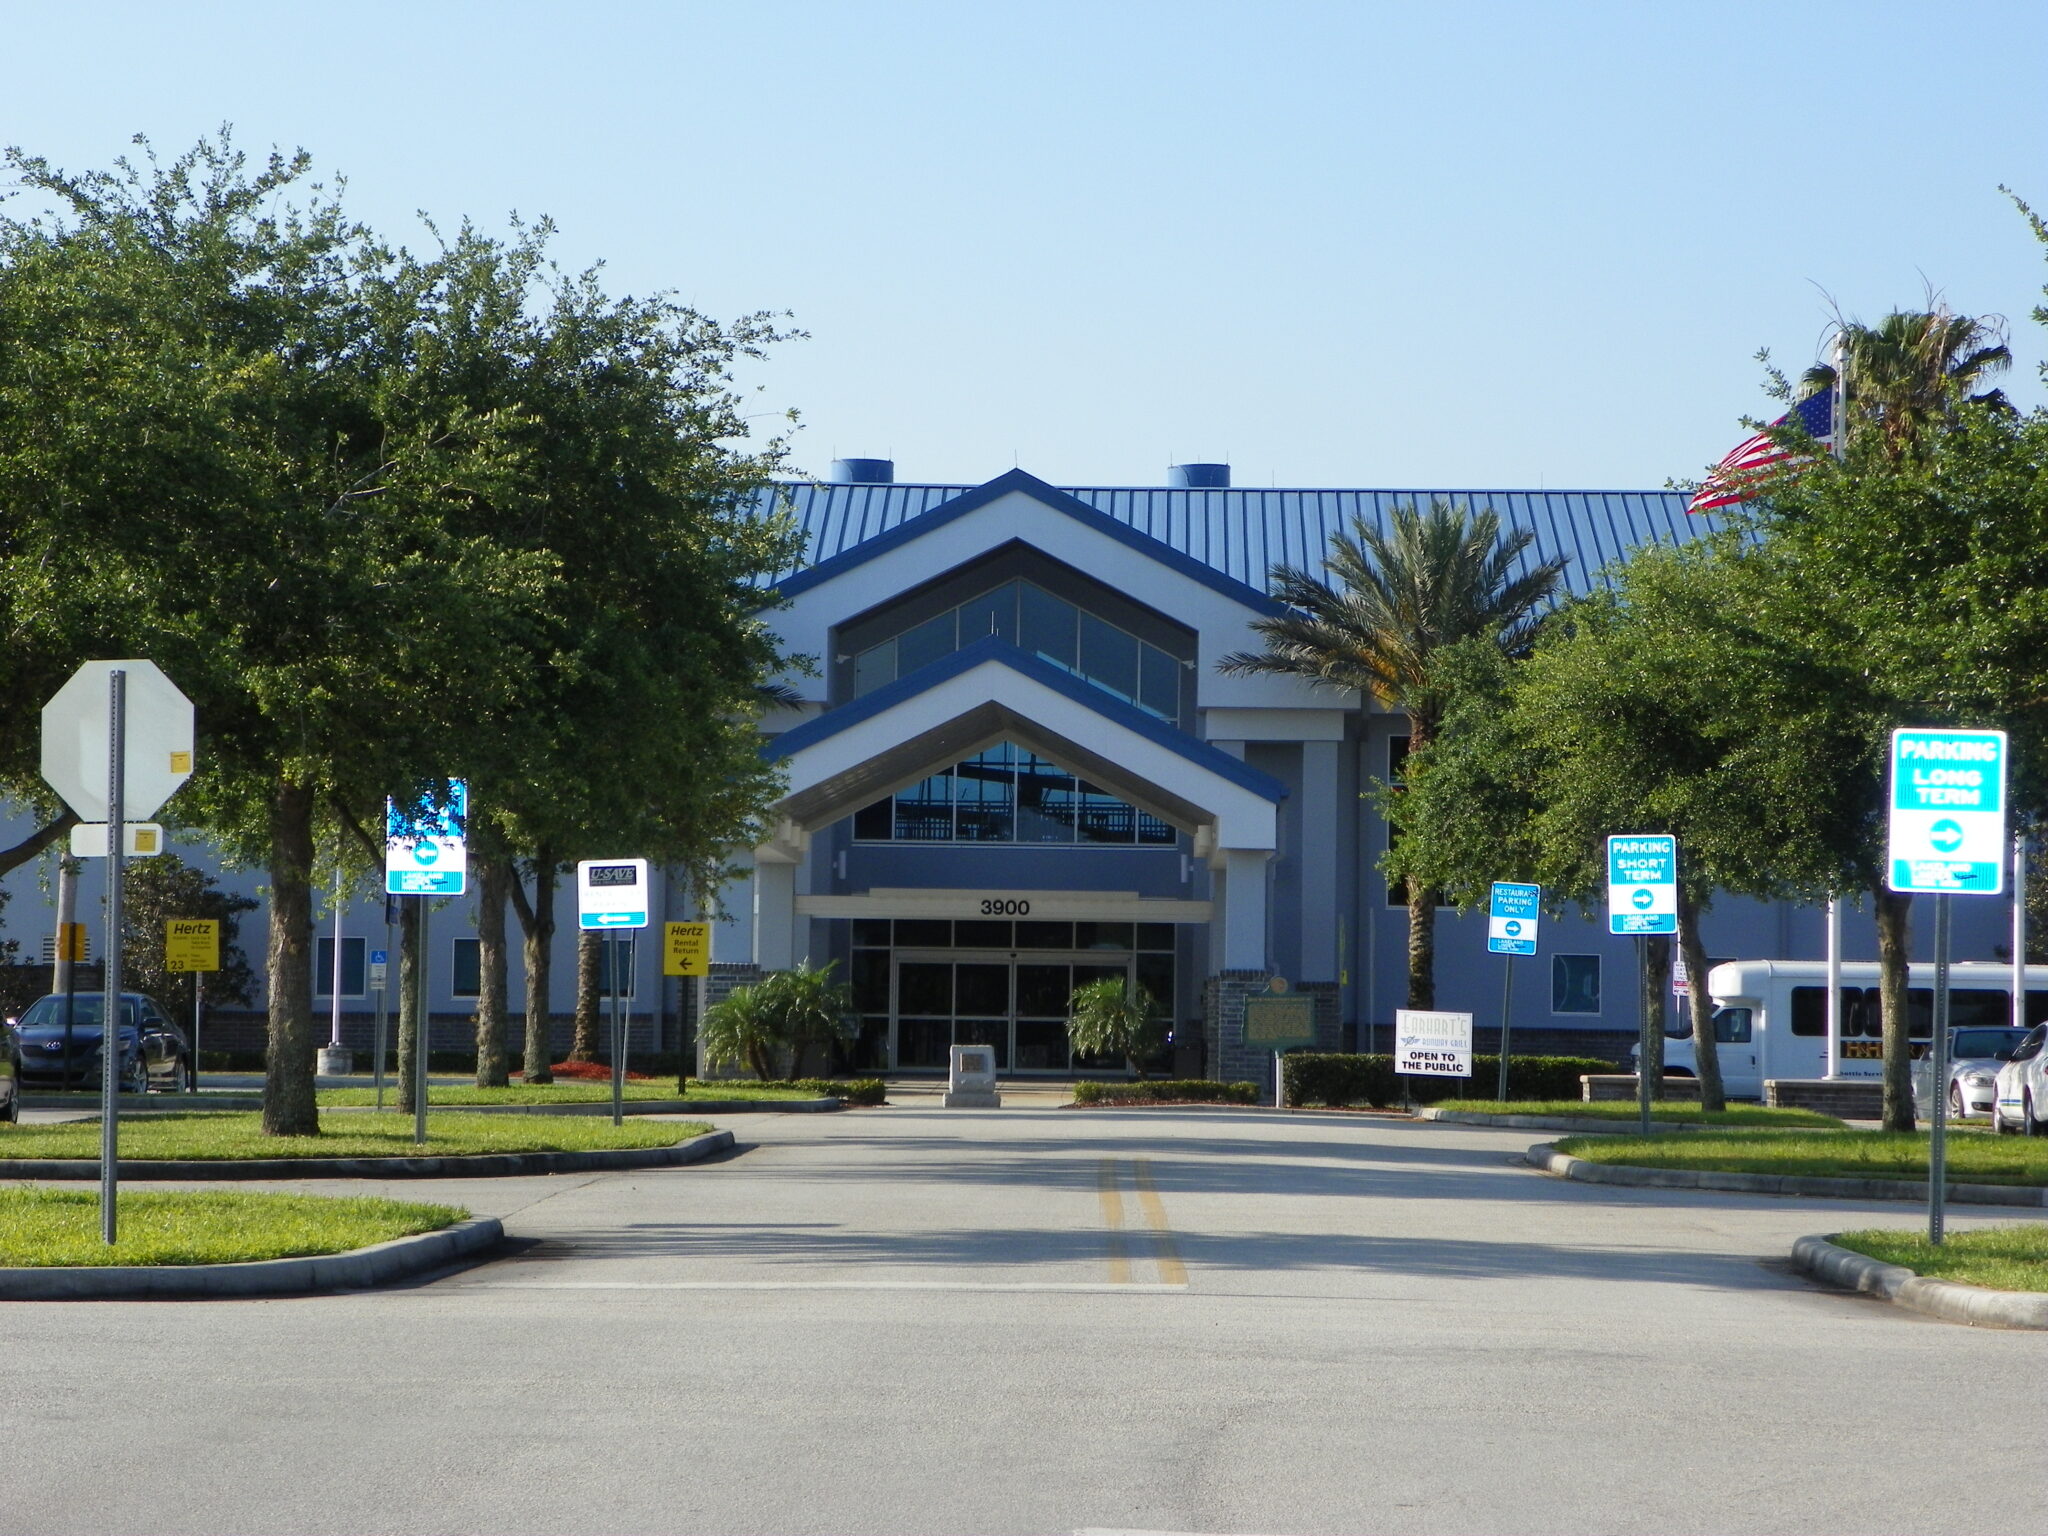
864	471
1199	477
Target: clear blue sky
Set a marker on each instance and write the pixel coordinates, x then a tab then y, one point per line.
1490	245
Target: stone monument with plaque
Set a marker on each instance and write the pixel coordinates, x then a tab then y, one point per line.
971	1082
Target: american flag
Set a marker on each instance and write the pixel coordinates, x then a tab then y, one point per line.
1749	461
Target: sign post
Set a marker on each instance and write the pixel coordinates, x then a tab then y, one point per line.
116	744
380	970
426	854
1945	837
612	894
1642	898
1512	914
686	952
193	944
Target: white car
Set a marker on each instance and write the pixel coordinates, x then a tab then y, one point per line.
1974	1057
2021	1102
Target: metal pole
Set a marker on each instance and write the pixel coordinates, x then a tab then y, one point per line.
380	1006
1937	1076
2019	931
1643	1033
1279	1095
1507	990
198	1007
110	1007
1834	987
334	984
611	952
422	1033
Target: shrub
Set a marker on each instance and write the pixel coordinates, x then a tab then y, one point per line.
849	1090
1311	1078
1192	1090
1106	1018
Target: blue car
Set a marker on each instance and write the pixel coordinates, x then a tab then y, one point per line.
54	1053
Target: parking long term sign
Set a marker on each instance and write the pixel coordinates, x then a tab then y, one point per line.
1947	829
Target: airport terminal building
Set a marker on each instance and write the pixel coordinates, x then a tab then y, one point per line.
1017	767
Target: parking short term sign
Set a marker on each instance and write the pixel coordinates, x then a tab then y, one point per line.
1432	1044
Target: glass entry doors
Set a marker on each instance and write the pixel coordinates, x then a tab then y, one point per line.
1017	1005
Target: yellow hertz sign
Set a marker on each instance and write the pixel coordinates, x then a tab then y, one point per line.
191	944
686	949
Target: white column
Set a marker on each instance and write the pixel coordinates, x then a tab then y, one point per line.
1834	987
775	943
2019	932
732	936
1244	909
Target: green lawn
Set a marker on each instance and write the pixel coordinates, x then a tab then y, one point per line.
1973	1158
231	1136
40	1226
2003	1258
570	1092
1740	1114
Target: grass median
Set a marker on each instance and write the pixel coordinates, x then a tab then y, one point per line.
468	1094
235	1137
1749	1115
47	1228
2001	1258
1973	1157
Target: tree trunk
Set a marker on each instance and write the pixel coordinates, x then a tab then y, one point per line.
289	1108
1655	981
408	1002
1421	947
1893	912
589	968
1706	1051
494	876
537	924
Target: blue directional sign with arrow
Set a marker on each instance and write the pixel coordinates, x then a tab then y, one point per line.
1512	912
425	851
1642	883
1947	830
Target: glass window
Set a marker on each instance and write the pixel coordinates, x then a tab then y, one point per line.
1731	1026
924	933
467	968
1397	759
993	613
1045	801
615	959
981	935
924	812
1045	936
1159	683
1155	936
872	931
1102	935
925	644
869	977
984	788
1154	833
1109	657
1046	626
352	962
1978	1008
875	823
1102	818
1810	1010
874	667
1574	983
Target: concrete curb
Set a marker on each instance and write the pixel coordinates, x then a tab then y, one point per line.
632	1107
1949	1300
1580	1125
380	1264
490	1165
1548	1159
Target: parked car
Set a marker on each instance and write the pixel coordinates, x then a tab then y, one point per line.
154	1052
2020	1101
1974	1057
10	1074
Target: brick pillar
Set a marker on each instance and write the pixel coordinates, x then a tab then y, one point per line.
1223	998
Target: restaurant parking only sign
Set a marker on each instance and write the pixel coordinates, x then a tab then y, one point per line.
1947	831
1642	883
1511	914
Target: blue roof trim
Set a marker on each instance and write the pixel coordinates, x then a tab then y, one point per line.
1030	485
1211	759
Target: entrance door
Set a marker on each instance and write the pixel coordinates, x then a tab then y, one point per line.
1015	1005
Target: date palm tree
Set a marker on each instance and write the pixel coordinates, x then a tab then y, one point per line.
1912	368
1402	595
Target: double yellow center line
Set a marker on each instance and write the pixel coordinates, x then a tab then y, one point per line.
1109	1185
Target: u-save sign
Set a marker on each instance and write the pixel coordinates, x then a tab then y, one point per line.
1947	832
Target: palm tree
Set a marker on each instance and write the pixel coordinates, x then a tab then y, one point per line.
1912	368
1403	595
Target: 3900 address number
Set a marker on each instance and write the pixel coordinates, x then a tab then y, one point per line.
1005	906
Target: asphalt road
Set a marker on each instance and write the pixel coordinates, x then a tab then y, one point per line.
909	1319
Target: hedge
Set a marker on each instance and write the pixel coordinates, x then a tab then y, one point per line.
1193	1090
1310	1078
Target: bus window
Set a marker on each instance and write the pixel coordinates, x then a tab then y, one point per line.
1810	1010
1978	1008
2037	1007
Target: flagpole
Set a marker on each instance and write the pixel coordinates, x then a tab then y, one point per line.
1838	406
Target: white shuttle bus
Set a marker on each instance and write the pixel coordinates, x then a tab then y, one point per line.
1771	1016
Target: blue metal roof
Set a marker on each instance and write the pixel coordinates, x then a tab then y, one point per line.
1243	533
